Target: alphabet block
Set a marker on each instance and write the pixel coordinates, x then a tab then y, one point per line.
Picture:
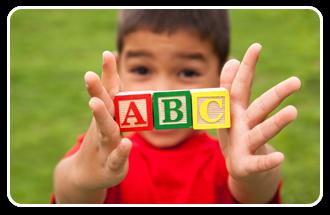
211	108
172	109
133	111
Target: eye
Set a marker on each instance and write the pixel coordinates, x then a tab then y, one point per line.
140	70
189	73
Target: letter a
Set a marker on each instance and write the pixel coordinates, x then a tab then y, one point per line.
136	114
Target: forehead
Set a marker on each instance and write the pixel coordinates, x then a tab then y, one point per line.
182	41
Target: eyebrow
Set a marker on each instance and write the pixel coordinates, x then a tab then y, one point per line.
138	53
192	56
186	56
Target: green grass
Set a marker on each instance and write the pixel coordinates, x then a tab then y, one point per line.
52	49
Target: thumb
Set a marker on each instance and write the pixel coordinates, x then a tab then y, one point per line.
227	77
118	157
228	73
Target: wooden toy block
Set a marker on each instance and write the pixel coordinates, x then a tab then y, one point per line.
172	109
211	108
133	111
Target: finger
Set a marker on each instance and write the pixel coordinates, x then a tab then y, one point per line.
267	102
260	163
263	132
228	73
118	157
108	127
110	77
241	87
95	89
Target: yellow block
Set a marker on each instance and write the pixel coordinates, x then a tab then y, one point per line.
211	108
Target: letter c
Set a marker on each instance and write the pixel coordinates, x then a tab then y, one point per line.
203	110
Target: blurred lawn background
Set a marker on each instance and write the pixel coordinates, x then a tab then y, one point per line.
52	49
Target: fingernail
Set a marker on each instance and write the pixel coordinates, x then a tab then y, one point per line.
87	74
124	144
258	45
90	103
106	53
293	110
297	82
235	61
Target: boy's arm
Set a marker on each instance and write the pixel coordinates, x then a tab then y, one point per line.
253	166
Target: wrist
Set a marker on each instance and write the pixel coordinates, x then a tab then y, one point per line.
71	187
255	188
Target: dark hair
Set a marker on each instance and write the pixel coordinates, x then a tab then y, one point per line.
212	25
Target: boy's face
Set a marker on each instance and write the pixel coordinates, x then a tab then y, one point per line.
152	61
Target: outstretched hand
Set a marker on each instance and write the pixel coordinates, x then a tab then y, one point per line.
244	144
103	143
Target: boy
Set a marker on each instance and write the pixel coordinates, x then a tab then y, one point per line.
168	50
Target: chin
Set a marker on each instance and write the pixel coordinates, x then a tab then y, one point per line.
167	138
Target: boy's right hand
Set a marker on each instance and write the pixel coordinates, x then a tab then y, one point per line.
102	160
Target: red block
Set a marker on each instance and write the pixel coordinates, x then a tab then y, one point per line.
133	111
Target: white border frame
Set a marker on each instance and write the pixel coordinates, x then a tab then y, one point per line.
164	7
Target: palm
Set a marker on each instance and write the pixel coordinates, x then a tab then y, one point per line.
242	143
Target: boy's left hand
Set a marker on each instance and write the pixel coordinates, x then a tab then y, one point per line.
244	144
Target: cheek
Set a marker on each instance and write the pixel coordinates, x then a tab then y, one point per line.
215	80
128	83
209	80
213	77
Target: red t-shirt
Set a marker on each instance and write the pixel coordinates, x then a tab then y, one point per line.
191	172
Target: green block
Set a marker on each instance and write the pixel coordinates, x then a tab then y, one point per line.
172	109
